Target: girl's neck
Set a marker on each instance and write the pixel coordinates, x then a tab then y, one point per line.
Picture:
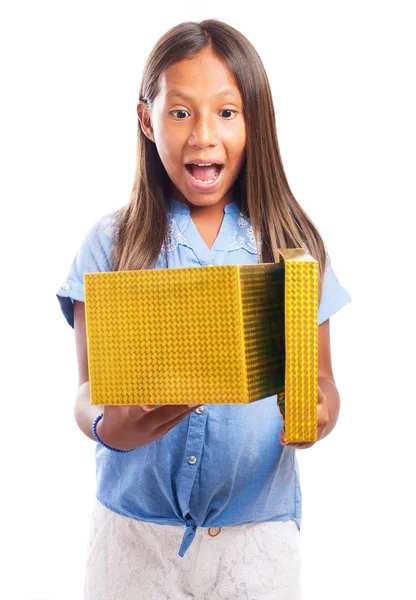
205	211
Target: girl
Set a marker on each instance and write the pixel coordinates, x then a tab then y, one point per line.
199	501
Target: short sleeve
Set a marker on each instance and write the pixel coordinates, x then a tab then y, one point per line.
94	255
334	295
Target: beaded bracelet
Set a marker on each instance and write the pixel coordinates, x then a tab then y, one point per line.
94	431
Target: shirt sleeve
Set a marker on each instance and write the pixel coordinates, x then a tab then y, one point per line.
334	295
94	255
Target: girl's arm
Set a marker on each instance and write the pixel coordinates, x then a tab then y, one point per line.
326	382
84	411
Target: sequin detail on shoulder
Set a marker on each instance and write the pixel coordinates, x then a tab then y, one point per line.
243	237
174	235
108	223
100	242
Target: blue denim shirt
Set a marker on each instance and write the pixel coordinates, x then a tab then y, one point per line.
242	474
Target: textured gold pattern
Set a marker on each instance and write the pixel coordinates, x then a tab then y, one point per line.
223	335
301	376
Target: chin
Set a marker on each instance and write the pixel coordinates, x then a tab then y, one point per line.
203	198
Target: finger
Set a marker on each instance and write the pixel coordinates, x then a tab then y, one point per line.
134	411
301	445
131	411
166	414
322	416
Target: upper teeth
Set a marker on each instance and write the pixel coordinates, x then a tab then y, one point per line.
202	165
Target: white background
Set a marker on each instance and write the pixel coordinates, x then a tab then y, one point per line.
342	78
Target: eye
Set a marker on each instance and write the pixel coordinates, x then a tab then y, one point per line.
229	110
179	111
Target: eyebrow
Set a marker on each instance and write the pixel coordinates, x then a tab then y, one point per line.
179	94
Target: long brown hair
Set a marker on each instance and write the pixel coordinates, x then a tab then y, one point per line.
266	199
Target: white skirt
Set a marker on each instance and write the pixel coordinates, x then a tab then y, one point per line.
134	560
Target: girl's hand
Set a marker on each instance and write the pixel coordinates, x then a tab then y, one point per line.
131	426
323	420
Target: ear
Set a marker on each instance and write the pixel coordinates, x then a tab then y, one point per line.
145	120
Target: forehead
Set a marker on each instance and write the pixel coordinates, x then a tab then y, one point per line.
203	75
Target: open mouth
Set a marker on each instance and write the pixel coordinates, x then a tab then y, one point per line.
206	173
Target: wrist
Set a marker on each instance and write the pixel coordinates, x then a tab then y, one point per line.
100	435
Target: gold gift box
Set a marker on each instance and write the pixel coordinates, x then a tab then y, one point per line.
224	335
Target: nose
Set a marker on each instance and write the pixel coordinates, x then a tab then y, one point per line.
204	132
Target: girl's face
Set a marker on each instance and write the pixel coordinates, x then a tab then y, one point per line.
197	117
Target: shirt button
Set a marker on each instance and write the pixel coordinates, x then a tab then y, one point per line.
214	531
192	460
200	410
65	286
